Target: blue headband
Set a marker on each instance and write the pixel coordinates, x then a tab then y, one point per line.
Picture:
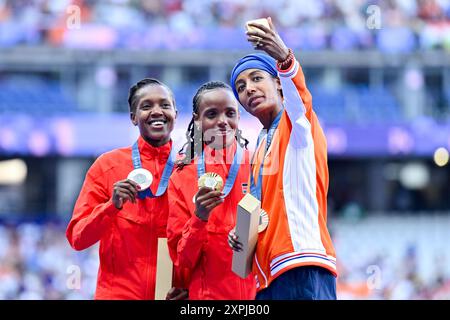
253	61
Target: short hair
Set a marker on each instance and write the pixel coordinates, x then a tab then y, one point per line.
194	143
132	95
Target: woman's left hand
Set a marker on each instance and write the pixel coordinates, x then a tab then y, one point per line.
233	242
177	294
268	40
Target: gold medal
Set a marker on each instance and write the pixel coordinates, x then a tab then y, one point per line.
211	180
263	220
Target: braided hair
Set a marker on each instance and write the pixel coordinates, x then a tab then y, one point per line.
133	97
194	145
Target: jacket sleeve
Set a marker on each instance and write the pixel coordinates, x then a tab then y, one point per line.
181	277
186	233
92	212
298	103
294	90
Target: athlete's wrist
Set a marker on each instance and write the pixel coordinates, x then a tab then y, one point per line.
200	216
286	63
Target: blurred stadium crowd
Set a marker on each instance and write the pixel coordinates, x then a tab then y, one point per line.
406	25
375	261
36	263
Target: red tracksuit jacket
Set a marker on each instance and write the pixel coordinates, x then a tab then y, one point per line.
202	246
128	237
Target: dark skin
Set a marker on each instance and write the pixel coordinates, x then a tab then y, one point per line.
218	115
268	40
155	115
206	200
177	294
260	93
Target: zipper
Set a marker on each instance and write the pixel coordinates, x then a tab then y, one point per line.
152	234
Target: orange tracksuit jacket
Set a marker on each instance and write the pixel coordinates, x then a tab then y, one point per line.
128	237
294	188
202	246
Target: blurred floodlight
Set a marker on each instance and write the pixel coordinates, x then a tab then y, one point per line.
414	79
441	157
39	143
105	77
414	176
13	171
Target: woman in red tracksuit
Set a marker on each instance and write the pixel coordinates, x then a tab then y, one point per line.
113	210
200	219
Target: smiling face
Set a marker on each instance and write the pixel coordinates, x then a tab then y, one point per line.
259	92
154	114
218	117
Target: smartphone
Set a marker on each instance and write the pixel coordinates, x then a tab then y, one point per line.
262	21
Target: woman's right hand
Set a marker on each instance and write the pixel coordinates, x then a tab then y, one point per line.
233	242
123	191
268	40
207	199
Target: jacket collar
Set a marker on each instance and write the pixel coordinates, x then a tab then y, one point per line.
220	156
148	151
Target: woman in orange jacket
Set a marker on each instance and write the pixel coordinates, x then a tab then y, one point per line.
118	212
295	257
200	218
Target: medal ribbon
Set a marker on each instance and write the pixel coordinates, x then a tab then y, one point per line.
232	174
255	189
164	182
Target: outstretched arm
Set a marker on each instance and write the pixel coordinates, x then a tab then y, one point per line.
269	41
